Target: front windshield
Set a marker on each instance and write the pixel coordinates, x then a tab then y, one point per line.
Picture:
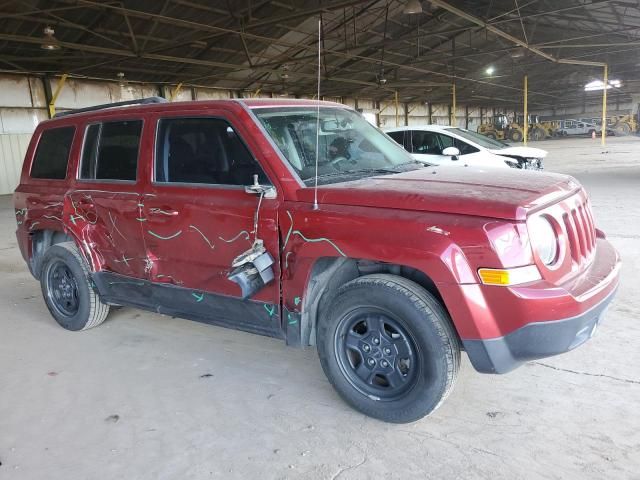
348	145
481	140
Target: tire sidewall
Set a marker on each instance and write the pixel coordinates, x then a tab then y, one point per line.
430	385
81	317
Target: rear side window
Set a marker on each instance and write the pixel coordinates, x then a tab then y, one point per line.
52	154
397	136
110	151
203	150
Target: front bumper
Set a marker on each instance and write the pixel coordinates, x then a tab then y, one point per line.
534	341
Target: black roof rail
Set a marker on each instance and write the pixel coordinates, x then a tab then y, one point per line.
141	101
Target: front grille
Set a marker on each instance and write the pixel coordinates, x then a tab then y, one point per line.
581	232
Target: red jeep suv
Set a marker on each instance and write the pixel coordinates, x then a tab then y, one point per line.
299	220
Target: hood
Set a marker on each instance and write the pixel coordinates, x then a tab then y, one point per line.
507	194
525	152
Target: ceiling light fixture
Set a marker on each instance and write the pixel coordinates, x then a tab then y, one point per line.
599	85
121	80
490	70
412	7
50	42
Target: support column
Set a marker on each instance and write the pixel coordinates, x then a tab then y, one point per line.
453	104
54	97
604	105
526	110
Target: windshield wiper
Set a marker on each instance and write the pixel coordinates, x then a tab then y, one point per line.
344	173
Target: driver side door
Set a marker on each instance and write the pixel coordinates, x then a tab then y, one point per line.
199	218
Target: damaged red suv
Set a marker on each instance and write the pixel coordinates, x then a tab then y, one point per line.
209	211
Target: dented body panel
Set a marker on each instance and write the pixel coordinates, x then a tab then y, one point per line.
174	244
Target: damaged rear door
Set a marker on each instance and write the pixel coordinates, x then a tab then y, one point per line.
104	206
201	217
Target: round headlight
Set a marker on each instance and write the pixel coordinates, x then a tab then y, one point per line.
543	239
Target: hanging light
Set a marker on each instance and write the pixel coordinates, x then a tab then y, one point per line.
121	80
412	7
50	42
490	70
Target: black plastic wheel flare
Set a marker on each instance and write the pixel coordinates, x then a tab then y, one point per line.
376	354
62	289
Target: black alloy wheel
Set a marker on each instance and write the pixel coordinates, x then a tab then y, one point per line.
376	354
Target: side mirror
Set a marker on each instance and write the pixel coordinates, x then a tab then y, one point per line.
452	152
268	191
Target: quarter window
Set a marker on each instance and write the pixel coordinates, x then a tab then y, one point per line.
111	151
203	150
52	154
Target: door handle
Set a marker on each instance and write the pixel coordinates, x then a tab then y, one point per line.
163	211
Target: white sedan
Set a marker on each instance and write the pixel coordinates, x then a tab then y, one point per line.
439	145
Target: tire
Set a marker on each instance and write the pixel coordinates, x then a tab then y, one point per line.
539	134
623	129
491	135
67	290
410	324
516	136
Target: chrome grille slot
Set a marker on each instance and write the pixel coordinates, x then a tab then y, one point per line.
580	229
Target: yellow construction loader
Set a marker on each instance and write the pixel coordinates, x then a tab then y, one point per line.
501	129
624	124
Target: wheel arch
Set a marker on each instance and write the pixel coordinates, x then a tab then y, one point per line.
328	274
42	239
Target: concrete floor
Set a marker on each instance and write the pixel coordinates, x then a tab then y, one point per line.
145	396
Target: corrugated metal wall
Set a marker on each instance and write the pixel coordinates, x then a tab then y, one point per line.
23	105
13	147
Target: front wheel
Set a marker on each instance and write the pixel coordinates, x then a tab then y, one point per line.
67	290
388	348
516	136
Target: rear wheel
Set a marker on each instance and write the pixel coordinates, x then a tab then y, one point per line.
516	136
623	129
67	290
538	134
388	348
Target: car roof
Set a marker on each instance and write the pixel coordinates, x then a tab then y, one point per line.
234	103
424	128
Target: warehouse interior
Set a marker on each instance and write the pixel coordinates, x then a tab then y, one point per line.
149	396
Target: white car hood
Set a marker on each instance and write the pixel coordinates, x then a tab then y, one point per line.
525	152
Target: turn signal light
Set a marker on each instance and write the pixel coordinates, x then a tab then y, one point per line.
509	276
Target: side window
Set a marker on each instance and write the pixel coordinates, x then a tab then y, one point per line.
52	154
445	141
203	150
398	137
464	147
111	151
425	143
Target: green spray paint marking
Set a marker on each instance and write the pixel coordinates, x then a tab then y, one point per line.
291	320
204	237
296	301
271	310
165	238
198	296
73	218
141	219
22	211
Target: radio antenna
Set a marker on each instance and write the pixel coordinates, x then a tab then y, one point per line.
315	190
